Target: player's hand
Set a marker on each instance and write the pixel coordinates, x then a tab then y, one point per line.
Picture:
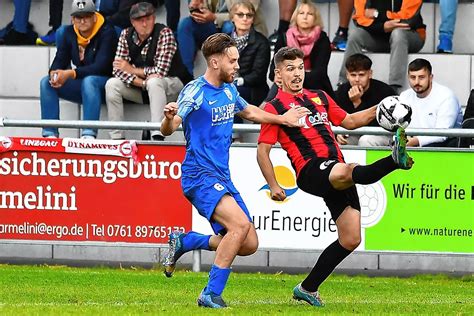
171	109
277	194
292	116
390	25
355	94
342	139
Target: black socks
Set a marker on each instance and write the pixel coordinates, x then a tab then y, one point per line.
283	26
327	262
373	172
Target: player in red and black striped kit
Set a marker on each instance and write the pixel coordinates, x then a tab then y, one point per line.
319	164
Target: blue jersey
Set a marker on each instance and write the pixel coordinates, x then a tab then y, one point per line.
208	117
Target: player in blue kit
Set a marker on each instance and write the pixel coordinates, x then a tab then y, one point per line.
206	109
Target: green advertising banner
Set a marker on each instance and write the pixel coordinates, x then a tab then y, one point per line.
428	208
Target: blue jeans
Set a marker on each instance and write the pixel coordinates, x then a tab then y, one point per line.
20	17
90	92
191	35
448	9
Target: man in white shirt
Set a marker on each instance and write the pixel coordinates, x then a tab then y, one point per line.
434	105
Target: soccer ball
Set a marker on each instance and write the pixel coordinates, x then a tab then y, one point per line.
392	113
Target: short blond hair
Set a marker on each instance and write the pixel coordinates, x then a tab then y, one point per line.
318	21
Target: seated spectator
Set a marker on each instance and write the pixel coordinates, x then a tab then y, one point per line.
254	51
89	43
468	122
306	33
147	68
359	93
387	26
448	9
206	18
433	105
19	31
287	7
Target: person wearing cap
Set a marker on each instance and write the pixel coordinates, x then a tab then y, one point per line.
89	44
147	68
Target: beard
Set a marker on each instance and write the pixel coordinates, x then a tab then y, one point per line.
226	77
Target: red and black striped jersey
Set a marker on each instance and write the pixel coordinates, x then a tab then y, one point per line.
315	139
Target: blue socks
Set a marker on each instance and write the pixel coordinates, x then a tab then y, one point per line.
194	241
217	280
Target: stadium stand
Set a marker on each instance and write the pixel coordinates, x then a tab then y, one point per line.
19	77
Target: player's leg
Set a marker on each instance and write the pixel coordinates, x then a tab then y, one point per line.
344	207
237	225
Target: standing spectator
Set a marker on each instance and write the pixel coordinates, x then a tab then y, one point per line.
387	26
254	51
345	8
448	9
55	20
90	45
306	33
206	18
360	93
147	68
19	31
433	105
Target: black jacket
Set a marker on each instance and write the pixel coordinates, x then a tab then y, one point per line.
377	91
98	57
317	77
253	62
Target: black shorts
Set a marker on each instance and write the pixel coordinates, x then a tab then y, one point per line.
314	179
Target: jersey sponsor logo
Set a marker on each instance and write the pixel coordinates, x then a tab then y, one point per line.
223	113
218	187
315	119
325	164
228	93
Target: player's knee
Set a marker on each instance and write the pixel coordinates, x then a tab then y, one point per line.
350	242
249	247
240	228
341	176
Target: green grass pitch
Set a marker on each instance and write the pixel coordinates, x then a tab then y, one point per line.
59	290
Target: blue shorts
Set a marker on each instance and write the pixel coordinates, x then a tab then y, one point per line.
206	191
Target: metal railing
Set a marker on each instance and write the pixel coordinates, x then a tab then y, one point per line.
245	128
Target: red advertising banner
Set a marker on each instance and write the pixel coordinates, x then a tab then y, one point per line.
57	195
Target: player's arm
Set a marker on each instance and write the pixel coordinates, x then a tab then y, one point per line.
266	166
358	119
171	121
290	118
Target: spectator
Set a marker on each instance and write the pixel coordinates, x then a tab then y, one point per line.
433	105
116	12
206	18
254	51
89	44
448	10
19	31
55	20
287	7
306	33
147	68
468	121
359	93
387	26
345	8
